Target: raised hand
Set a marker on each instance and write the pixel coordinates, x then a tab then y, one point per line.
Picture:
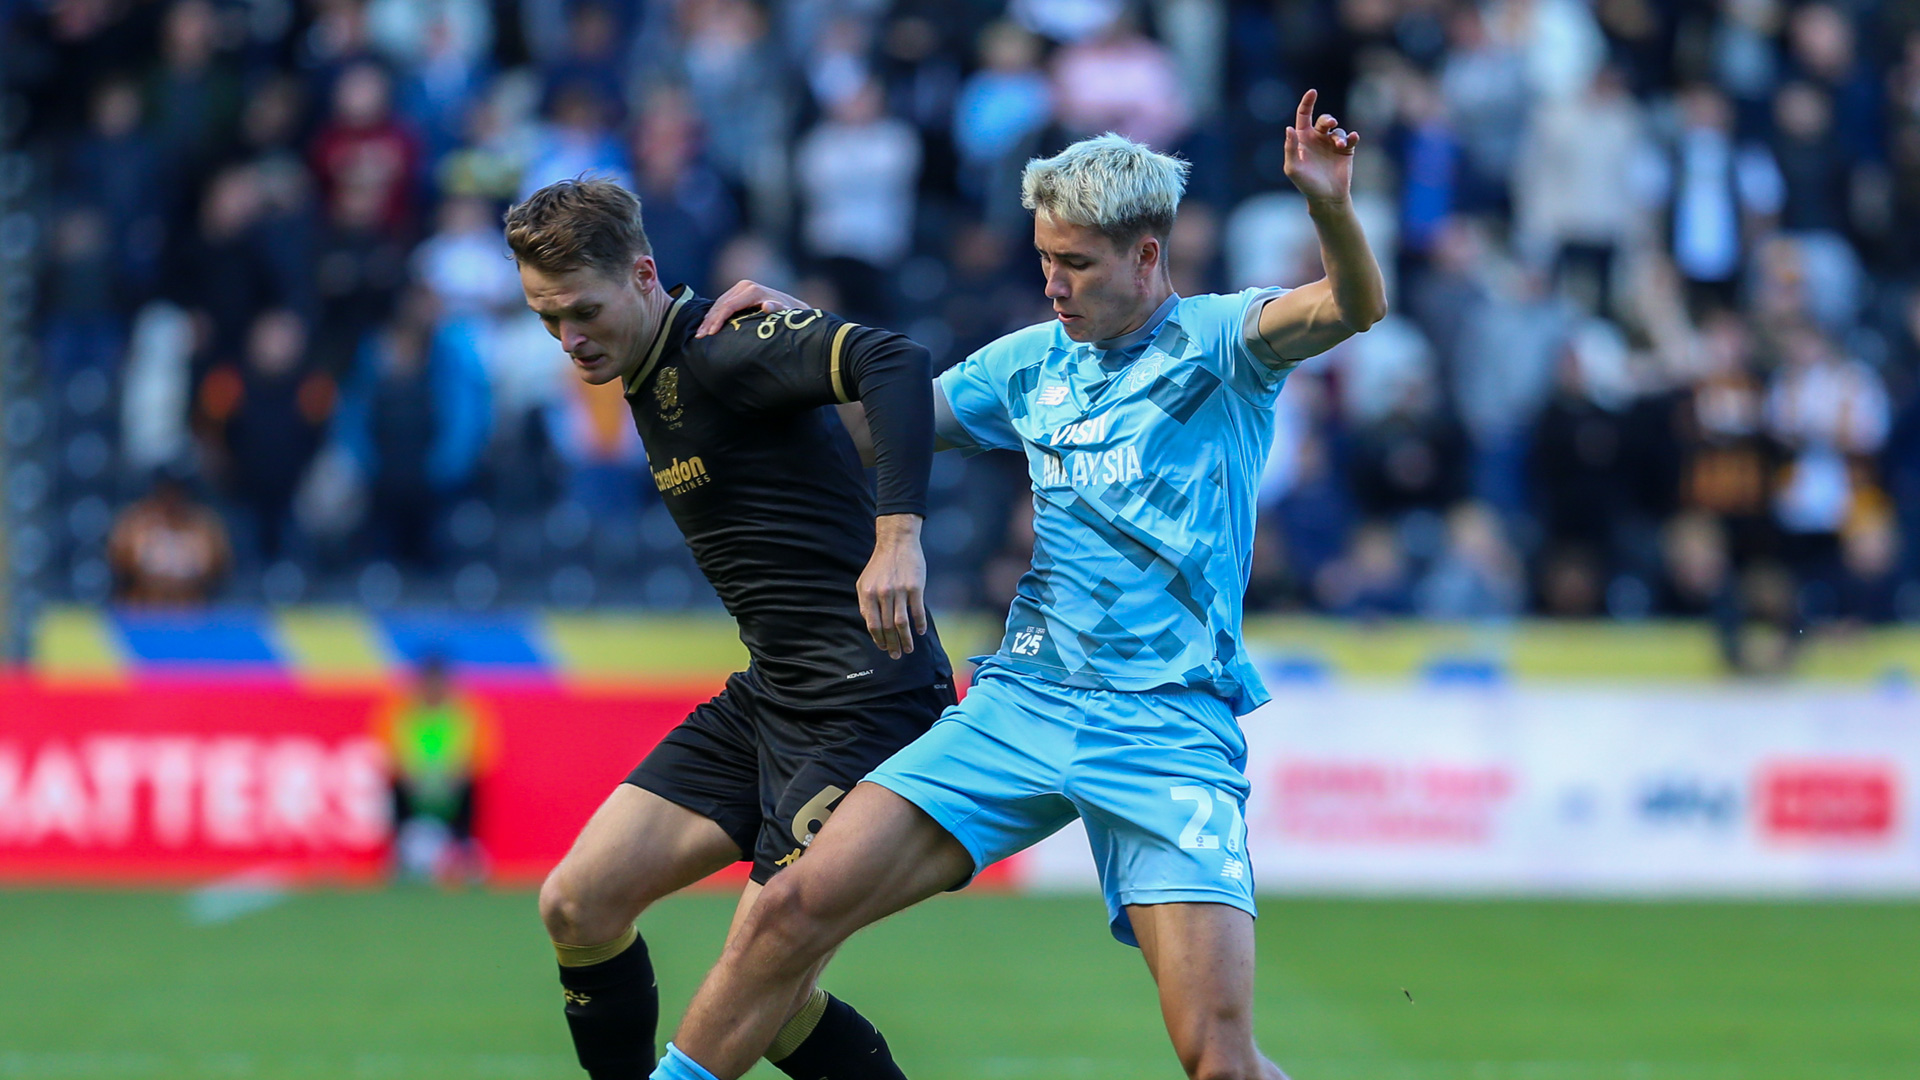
745	296
1320	153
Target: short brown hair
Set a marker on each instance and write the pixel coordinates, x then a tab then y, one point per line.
583	223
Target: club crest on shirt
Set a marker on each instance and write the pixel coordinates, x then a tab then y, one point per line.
666	394
1142	372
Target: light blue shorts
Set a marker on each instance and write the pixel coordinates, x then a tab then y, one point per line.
1158	777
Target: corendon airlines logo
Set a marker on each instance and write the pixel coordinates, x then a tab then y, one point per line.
226	792
681	477
1845	801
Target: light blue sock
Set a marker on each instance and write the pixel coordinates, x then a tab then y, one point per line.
678	1066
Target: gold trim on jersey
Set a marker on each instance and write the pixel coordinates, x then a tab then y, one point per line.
659	341
839	385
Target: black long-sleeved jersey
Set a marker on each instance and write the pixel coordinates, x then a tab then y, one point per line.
768	490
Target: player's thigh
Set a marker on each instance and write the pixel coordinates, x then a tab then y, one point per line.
1202	959
878	854
637	848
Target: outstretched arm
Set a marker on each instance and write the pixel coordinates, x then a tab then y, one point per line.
1352	297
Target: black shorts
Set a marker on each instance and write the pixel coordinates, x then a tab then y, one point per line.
770	773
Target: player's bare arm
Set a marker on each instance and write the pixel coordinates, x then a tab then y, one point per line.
1352	296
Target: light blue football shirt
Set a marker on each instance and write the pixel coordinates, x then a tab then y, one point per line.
1145	454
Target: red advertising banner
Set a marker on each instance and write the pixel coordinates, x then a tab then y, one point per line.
175	781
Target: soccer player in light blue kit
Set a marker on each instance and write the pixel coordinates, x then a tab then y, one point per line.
1145	418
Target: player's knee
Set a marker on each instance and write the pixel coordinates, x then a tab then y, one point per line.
792	918
573	916
1222	1050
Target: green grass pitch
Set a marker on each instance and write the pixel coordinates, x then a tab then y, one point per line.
426	985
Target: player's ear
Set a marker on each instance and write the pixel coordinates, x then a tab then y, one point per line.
1148	254
644	271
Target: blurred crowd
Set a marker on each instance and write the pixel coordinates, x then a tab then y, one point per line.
1654	347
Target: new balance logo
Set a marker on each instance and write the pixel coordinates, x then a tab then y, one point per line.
575	998
1233	870
1053	395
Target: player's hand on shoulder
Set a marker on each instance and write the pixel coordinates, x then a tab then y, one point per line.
746	297
893	587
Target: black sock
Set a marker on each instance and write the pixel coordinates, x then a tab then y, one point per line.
613	1008
842	1046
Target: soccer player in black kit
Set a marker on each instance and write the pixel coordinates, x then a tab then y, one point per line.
825	578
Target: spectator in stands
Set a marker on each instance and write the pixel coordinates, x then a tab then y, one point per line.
998	118
1403	449
1478	574
116	167
1823	50
1902	238
1371	580
1900	458
1831	415
689	210
857	170
1121	80
442	49
167	550
1508	352
1484	82
289	218
221	272
1870	588
577	140
732	69
591	61
1812	162
465	263
1304	496
1578	188
1582	446
269	416
1727	461
193	94
84	294
1717	188
367	162
416	417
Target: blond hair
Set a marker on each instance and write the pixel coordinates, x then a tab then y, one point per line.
1109	183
